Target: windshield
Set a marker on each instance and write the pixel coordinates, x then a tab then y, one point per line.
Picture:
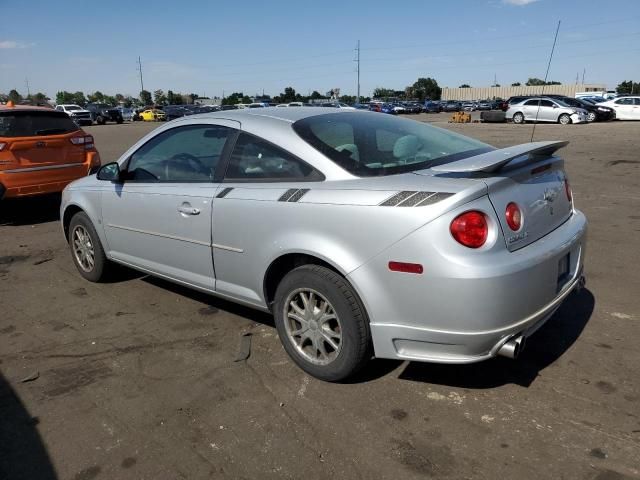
371	144
73	107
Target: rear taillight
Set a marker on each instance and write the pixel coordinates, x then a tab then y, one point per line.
2	145
514	216
470	229
567	190
87	141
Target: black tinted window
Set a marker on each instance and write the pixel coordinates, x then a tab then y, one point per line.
184	154
255	159
35	123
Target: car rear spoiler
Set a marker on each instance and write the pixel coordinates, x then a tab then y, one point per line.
496	159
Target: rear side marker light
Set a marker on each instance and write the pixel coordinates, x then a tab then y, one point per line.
470	229
514	216
406	267
2	145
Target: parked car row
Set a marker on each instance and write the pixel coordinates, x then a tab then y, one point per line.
99	113
565	110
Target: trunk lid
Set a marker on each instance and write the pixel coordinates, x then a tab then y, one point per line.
528	175
539	191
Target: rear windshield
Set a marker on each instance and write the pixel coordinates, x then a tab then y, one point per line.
35	123
372	144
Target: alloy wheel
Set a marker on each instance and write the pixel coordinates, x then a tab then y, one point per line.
83	248
312	326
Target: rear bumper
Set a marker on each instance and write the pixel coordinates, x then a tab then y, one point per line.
29	181
465	311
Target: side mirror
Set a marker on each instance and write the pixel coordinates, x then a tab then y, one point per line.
109	172
555	106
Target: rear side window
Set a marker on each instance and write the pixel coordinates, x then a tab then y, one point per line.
254	159
35	123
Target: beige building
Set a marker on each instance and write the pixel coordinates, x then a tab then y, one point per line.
482	93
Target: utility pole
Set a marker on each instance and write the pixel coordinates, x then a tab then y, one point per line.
140	71
584	70
495	80
26	81
358	71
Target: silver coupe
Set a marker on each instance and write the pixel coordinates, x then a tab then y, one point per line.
364	234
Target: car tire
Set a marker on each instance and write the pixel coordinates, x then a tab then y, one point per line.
591	117
100	120
564	119
333	345
518	118
119	121
86	249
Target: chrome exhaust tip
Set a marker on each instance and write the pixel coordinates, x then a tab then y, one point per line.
512	347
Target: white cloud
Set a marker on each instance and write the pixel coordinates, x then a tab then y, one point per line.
8	44
519	3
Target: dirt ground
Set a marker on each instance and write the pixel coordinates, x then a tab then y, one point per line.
136	378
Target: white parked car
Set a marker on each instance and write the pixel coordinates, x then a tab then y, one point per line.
77	113
545	110
626	108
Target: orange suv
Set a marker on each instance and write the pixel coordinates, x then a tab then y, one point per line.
41	151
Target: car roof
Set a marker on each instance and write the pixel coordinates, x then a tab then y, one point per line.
5	108
289	115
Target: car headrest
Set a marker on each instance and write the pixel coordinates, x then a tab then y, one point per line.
406	146
352	148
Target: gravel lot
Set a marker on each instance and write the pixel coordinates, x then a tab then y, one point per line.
137	379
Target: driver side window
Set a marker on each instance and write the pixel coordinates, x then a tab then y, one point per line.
184	154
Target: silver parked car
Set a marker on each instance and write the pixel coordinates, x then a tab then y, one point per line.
363	234
545	110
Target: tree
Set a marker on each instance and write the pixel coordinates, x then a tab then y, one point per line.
289	95
316	95
128	101
425	88
464	85
14	96
347	98
109	100
79	99
119	97
159	97
233	99
64	97
39	98
170	97
178	99
96	97
145	97
380	92
537	82
628	87
496	85
516	84
192	98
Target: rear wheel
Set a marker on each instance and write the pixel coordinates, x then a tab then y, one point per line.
591	117
321	323
518	117
564	119
100	120
86	249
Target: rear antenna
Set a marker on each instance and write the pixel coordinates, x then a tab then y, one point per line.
546	75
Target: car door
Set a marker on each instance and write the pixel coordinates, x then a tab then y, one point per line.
159	218
624	108
635	110
257	176
529	109
549	111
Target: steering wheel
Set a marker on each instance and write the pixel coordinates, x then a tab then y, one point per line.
193	161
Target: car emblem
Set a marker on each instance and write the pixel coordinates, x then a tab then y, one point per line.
40	144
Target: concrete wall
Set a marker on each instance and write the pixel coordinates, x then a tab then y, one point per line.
482	93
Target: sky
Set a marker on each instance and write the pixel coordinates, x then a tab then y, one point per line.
218	47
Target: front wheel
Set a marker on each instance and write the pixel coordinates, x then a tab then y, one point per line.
86	249
100	120
322	323
591	117
518	118
564	119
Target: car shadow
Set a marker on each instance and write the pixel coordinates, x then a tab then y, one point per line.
30	210
213	302
22	451
543	348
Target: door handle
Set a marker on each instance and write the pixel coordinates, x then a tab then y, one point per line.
188	210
